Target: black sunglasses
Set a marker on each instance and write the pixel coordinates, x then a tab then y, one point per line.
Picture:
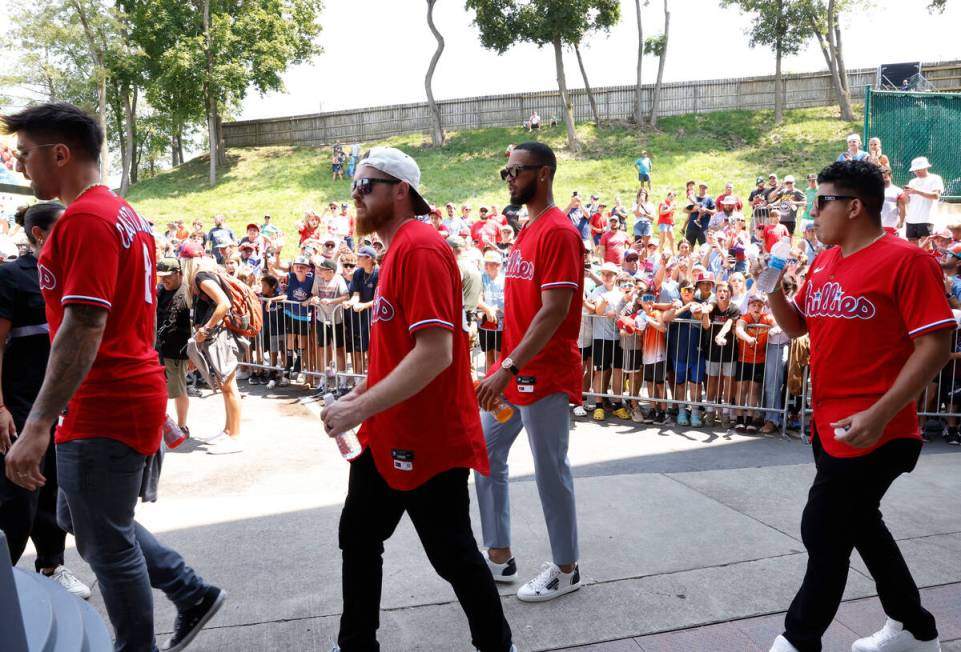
349	266
365	185
512	171
823	200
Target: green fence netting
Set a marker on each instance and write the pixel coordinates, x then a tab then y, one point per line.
914	124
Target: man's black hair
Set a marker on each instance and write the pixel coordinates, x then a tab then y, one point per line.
270	280
540	153
41	215
861	179
58	122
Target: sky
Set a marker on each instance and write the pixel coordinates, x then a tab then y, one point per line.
376	52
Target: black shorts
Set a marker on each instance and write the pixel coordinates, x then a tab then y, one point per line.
295	326
918	231
490	340
644	177
633	359
745	372
790	226
608	354
949	389
654	373
586	353
330	335
356	340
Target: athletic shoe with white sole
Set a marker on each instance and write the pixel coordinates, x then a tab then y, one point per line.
894	638
550	583
70	583
579	411
223	445
506	572
190	622
781	644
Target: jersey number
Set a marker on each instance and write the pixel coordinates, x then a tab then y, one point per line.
147	276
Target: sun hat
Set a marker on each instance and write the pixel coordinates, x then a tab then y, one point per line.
920	163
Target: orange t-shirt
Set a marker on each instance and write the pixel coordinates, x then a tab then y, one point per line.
758	329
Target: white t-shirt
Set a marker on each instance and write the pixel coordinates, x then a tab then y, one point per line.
889	209
919	208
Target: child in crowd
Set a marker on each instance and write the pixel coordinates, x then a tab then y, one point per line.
752	334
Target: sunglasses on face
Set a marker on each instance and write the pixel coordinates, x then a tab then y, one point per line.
824	200
647	298
349	266
512	171
365	185
329	245
627	286
687	291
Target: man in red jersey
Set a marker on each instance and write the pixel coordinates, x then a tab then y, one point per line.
104	382
880	330
418	415
539	375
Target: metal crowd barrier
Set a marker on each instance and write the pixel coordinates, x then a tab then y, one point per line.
698	373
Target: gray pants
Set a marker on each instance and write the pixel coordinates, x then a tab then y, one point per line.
548	431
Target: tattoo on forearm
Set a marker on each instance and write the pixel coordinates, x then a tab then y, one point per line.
72	355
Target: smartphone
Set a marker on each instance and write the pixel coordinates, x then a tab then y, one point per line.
574	194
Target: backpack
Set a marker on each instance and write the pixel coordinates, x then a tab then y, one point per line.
246	315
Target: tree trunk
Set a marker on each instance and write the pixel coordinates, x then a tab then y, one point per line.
587	86
134	137
638	105
212	140
778	97
221	145
844	100
660	68
102	118
839	95
839	56
437	127
565	98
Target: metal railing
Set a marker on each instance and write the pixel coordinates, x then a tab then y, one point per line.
637	362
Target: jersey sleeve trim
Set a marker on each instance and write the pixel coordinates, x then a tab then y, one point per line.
797	307
941	323
79	298
430	323
547	286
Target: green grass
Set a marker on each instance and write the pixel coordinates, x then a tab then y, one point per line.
715	147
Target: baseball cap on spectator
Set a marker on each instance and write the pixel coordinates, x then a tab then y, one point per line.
301	260
809	225
757	298
491	256
920	163
630	255
370	252
450	203
482	209
701	184
328	264
705	277
943	233
759	180
225	244
191	249
456	242
399	165
435	211
789	178
955	250
594	197
729	201
772	176
343	204
812	177
249	245
610	267
253	226
167	266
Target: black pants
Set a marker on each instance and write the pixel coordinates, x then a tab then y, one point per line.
439	510
843	513
33	515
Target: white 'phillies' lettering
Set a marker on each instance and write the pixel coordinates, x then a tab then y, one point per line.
517	267
831	301
129	224
382	309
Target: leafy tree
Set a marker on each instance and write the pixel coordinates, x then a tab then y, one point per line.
778	24
561	23
824	22
437	128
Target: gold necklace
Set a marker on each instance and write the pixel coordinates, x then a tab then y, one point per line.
92	185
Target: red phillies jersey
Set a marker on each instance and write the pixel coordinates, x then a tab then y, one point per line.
439	427
101	253
548	253
862	312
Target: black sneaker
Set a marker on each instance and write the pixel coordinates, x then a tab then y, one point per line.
953	438
190	622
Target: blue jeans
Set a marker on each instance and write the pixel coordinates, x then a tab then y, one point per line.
773	389
99	486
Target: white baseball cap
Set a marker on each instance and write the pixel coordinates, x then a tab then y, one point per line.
399	165
920	163
789	179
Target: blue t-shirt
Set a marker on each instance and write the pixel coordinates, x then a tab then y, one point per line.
643	165
846	156
956	287
364	285
493	295
581	222
298	291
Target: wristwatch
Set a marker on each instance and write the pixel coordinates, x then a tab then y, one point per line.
508	364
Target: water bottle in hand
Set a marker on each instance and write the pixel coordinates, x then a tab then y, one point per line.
767	279
173	434
347	443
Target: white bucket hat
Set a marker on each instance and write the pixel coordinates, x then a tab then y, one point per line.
920	163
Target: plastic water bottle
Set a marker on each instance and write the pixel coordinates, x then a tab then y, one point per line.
502	411
768	278
347	443
173	434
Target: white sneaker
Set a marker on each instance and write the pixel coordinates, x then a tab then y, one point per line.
894	638
223	445
579	411
62	576
243	374
301	379
284	382
637	416
781	644
550	583
506	572
271	383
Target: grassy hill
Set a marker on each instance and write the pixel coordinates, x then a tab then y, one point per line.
716	147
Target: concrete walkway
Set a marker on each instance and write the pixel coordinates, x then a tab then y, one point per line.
679	529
